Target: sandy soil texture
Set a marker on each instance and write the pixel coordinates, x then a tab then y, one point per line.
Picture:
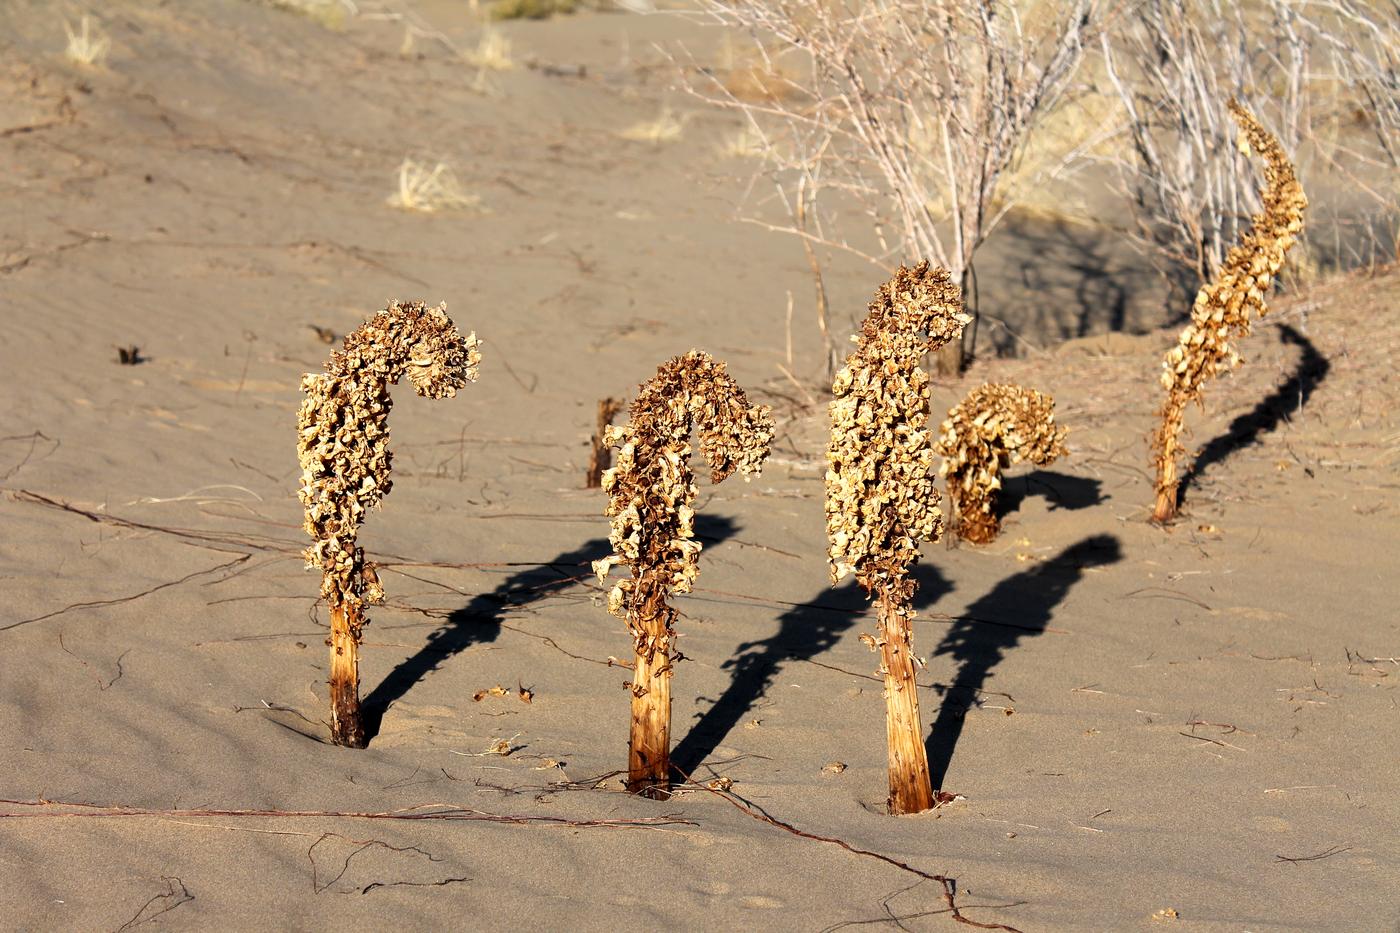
1134	720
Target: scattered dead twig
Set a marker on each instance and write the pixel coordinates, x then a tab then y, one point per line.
420	812
33	438
1326	853
1202	738
1146	593
319	887
174	895
101	684
949	885
99	603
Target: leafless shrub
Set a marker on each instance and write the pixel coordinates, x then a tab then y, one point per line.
1311	69
913	110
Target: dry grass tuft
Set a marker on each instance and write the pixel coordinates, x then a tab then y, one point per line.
532	9
428	190
744	143
492	52
666	128
333	14
88	46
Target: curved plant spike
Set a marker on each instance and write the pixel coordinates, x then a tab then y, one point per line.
880	495
1224	307
343	446
993	427
650	494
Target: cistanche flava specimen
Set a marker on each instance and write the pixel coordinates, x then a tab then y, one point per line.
343	446
650	494
1223	309
880	495
995	426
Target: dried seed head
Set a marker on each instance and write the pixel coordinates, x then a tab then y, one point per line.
995	425
880	496
1223	308
343	432
651	488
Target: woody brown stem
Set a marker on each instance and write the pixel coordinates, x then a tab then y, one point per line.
1164	510
347	729
649	751
911	788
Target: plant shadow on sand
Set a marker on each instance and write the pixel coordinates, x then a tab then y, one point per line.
1021	606
1061	490
479	621
804	632
1272	411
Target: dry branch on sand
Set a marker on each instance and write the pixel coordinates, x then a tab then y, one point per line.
1223	308
880	495
650	496
343	446
995	426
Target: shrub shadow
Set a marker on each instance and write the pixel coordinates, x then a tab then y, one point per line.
981	637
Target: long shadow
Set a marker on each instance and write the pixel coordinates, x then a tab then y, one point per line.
479	621
1062	490
1288	398
1018	607
805	631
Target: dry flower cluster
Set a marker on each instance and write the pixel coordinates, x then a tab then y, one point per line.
1223	308
995	426
343	447
880	495
650	494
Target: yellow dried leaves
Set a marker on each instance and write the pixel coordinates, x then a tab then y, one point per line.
343	432
651	487
1223	308
994	426
880	495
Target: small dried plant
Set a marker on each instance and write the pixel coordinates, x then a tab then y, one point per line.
666	128
995	426
427	189
651	492
492	52
880	495
87	45
1224	308
600	456
343	446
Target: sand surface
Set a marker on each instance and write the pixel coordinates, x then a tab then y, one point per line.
1201	719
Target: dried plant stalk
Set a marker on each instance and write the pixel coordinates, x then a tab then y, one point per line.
1224	308
600	457
650	496
343	446
995	426
880	495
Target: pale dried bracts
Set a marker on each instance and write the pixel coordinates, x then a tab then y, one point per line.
1224	308
343	447
881	501
994	427
651	491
